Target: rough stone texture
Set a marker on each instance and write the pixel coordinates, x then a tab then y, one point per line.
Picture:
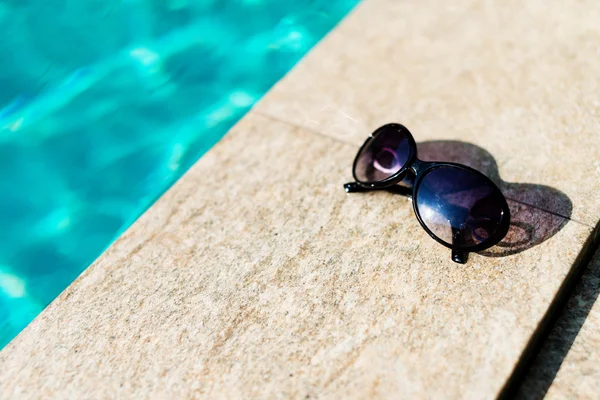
572	349
256	276
518	78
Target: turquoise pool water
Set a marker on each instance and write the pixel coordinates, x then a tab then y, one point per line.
105	103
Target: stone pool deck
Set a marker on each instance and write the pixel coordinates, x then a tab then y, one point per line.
257	276
567	365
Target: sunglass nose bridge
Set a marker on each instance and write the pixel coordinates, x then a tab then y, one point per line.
409	179
418	166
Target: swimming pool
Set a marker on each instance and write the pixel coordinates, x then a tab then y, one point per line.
104	105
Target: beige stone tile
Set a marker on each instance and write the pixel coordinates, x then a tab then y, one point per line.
519	79
567	366
257	276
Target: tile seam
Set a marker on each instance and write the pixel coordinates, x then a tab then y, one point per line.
324	135
548	321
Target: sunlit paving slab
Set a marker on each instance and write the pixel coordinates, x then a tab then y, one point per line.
256	275
520	79
567	366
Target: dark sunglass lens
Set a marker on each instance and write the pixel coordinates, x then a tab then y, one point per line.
383	155
460	207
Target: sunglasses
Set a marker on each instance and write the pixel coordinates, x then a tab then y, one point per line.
458	206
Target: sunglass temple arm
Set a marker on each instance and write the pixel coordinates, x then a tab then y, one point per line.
458	256
353	187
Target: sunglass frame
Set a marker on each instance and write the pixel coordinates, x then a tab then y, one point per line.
420	169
